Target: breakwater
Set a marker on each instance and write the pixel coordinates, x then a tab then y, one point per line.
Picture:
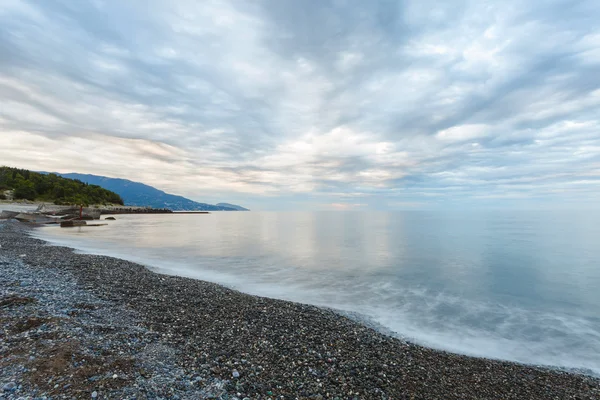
135	210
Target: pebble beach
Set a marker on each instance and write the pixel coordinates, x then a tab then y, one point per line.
75	326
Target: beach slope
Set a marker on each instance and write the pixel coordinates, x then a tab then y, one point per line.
79	326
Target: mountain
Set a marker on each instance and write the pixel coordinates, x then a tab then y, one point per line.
228	205
141	195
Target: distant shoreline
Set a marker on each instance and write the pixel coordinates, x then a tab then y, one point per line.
265	348
34	205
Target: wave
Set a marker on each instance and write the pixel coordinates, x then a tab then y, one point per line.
434	319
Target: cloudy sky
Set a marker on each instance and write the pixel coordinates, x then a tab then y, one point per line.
310	104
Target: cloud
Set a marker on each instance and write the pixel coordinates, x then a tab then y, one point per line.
463	132
311	102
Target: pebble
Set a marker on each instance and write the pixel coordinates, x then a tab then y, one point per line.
188	338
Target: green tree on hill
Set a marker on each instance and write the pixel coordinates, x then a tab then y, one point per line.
53	188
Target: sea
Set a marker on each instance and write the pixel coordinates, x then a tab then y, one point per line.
510	285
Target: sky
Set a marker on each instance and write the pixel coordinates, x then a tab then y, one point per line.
312	104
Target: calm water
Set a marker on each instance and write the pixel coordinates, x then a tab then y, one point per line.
515	286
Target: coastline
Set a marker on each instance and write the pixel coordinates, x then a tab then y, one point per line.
174	337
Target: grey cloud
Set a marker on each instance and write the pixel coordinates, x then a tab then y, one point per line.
229	84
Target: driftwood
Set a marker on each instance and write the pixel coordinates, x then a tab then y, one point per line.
35	218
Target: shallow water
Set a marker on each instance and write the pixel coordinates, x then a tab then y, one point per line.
509	285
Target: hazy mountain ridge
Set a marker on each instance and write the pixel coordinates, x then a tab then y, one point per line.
229	205
142	195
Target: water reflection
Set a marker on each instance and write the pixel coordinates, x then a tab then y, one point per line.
506	285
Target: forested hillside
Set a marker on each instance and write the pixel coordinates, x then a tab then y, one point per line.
53	188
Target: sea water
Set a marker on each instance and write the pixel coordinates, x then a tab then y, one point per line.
519	286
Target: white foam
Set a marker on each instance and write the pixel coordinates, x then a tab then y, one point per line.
433	319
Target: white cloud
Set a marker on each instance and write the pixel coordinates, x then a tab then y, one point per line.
463	132
457	100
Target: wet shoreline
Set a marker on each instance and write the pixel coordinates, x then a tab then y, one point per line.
233	345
